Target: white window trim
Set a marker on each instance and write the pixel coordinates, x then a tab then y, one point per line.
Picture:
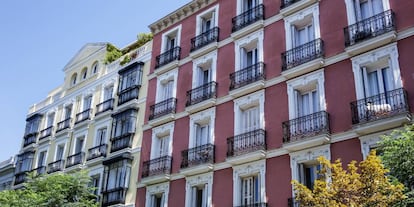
42	149
206	59
241	43
290	20
240	5
254	99
53	111
171	75
167	129
74	144
350	10
165	34
64	143
95	171
302	81
104	87
204	116
155	189
390	52
199	180
371	140
200	16
254	168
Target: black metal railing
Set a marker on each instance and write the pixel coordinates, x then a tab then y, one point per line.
205	38
253	205
197	155
163	108
380	106
369	28
158	166
20	177
82	116
45	132
306	126
29	139
56	166
247	75
286	3
114	196
128	94
63	125
248	17
40	170
246	143
168	56
75	159
121	142
302	54
292	202
201	93
98	151
105	106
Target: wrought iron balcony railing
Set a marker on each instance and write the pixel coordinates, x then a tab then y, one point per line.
82	116
105	106
247	75
248	17
56	166
247	142
75	159
197	155
40	170
30	139
63	125
121	142
205	38
369	28
98	151
45	132
114	196
168	56
158	166
201	93
380	106
306	126
254	205
302	54
286	3
128	94
163	108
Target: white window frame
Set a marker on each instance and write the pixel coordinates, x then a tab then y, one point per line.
162	131
47	119
203	179
249	41
305	81
204	117
171	75
156	189
75	141
200	16
165	35
210	60
64	143
350	10
98	171
389	52
250	169
240	5
251	100
300	16
43	149
370	141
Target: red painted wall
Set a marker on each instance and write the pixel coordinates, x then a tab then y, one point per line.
404	14
180	141
271	7
227	12
140	198
184	84
223	188
151	94
225	66
145	150
405	52
346	151
176	196
274	44
224	128
278	177
276	99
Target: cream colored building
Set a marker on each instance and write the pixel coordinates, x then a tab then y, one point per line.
92	121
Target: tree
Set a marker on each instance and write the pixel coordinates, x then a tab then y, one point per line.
57	190
364	185
398	156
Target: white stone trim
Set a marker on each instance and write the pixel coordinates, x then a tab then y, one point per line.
254	99
211	59
199	180
350	10
206	116
250	169
61	142
155	189
253	38
370	141
200	16
170	75
166	129
165	34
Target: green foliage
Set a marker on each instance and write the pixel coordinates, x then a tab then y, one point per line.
126	59
57	190
143	38
112	54
362	185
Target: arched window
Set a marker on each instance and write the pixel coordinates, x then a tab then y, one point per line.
95	67
84	73
73	79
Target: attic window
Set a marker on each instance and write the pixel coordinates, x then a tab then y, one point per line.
95	67
73	79
84	73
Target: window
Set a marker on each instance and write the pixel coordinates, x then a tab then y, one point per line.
157	195
358	10
246	5
108	91
41	159
50	120
171	39
32	124
370	142
59	152
130	76
79	145
95	184
162	141
199	190
202	128
124	123
166	86
204	70
249	187
250	192
87	102
207	20
249	113
100	137
68	112
308	173
24	162
73	79
118	175
249	51
157	200
116	182
95	67
84	73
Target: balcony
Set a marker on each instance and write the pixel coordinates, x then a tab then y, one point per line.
75	159
254	205
380	112
128	94
98	151
204	39
374	31
29	139
306	131
82	116
114	196
241	81
201	93
167	57
45	133
104	106
247	18
121	142
56	166
198	156
65	124
156	170
310	53
246	147
163	108
40	170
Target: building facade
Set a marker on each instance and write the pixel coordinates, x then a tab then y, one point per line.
92	121
7	168
244	95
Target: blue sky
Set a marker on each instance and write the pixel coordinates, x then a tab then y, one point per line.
37	39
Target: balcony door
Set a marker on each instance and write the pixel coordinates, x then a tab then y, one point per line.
100	137
41	161
250	190
307	103
108	93
59	152
79	145
368	8
249	4
249	62
199	196
250	120
308	173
